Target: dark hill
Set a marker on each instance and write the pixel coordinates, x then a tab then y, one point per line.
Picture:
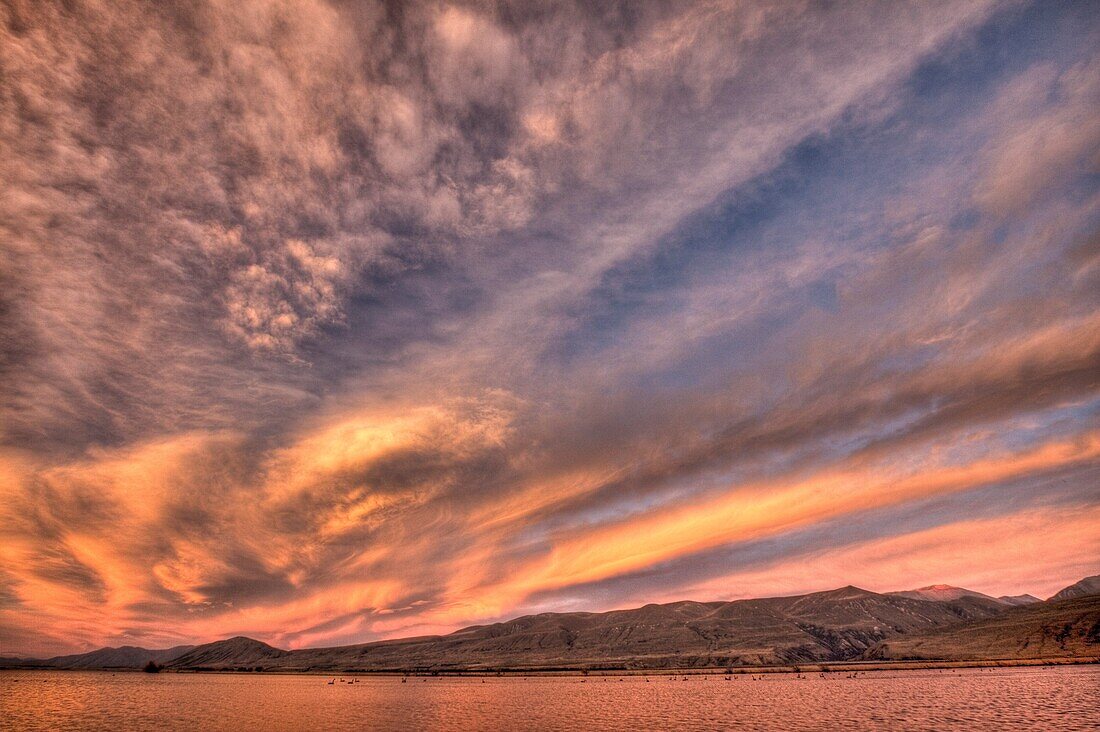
835	625
238	652
940	622
1053	629
122	657
944	592
1087	586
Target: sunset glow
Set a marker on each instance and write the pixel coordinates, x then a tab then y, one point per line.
325	322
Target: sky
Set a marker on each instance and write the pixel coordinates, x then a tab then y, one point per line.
325	321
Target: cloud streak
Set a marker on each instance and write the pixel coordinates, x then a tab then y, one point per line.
325	322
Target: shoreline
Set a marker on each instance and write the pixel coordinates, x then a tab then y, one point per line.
808	668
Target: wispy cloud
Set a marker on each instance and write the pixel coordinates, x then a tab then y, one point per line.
324	323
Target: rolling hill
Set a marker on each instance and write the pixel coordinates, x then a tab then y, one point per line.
122	657
1087	586
833	625
944	593
238	652
1053	629
849	623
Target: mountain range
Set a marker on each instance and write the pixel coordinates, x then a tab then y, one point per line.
1084	588
939	622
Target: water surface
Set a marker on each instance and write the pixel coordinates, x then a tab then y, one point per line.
970	699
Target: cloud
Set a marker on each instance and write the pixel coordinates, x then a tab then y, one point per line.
325	322
1035	157
996	547
751	511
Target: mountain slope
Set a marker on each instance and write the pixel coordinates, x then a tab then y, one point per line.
238	652
941	622
1052	629
1087	586
122	657
832	625
943	593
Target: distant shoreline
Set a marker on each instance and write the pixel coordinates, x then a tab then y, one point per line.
809	668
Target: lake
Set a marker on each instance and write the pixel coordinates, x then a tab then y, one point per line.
972	699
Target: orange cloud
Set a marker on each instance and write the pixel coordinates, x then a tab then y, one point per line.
773	507
1035	551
